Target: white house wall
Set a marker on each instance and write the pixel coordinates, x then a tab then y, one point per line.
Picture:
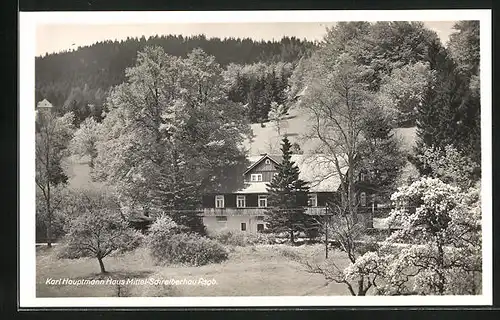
232	223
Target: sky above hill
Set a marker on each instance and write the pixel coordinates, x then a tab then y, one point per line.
58	37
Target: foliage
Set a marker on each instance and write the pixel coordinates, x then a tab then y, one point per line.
259	86
160	232
450	114
276	114
450	166
60	200
381	156
79	80
168	243
437	249
242	239
464	46
171	134
390	45
85	139
52	137
405	89
84	103
441	228
99	229
287	196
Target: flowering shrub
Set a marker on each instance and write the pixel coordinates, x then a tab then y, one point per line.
438	249
169	243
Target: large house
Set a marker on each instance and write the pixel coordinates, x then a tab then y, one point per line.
244	208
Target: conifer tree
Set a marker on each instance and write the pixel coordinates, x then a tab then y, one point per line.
287	196
450	115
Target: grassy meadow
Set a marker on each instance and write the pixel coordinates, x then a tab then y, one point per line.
261	270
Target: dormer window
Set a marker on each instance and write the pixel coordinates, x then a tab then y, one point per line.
255	177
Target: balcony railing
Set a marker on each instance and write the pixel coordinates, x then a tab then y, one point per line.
254	211
233	211
314	211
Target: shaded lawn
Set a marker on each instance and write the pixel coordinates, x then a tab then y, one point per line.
266	270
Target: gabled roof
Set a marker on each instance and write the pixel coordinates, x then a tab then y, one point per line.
261	158
316	169
44	104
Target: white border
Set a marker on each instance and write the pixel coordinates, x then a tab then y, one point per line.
27	273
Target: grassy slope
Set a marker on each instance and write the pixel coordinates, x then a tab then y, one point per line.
250	271
267	140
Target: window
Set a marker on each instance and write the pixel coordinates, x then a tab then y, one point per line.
262	201
240	201
260	218
256	177
313	200
243	226
219	201
260	227
268	161
362	199
362	177
221	218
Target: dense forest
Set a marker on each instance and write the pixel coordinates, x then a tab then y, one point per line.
407	69
79	80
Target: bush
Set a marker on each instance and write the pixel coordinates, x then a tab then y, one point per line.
187	248
242	239
168	244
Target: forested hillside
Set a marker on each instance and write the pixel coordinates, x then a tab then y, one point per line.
79	80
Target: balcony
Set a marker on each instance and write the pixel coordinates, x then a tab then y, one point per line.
254	211
207	212
316	211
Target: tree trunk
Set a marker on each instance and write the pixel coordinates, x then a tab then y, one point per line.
49	218
101	265
440	262
292	237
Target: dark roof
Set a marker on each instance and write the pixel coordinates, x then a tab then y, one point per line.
316	169
255	160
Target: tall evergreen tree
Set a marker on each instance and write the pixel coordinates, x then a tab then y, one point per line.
287	196
449	115
380	152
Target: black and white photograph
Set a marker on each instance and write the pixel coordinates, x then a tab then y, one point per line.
286	158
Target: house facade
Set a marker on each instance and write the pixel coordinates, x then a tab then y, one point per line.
244	209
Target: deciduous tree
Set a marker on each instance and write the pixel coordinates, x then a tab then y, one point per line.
85	139
171	134
99	228
52	137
